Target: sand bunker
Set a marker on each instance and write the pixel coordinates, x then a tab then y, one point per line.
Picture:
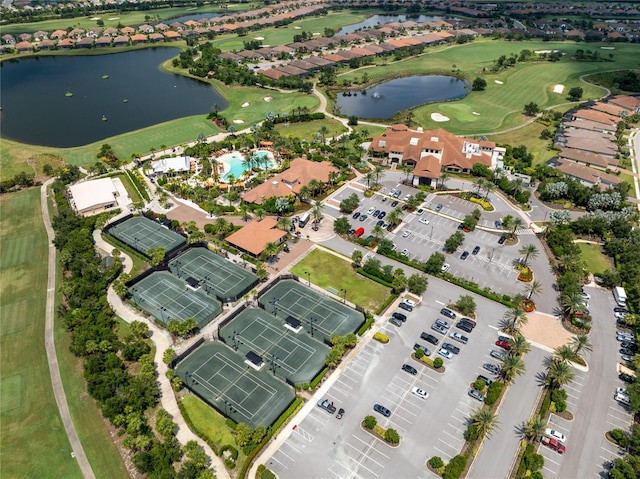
245	104
268	98
439	117
316	34
259	38
558	89
95	18
475	113
114	18
237	122
297	28
608	48
499	82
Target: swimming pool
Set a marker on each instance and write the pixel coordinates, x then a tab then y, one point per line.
233	162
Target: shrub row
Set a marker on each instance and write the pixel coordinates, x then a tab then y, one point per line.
138	183
485	204
454	469
365	327
504	299
375	278
392	297
318	378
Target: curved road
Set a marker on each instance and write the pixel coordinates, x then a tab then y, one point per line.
52	359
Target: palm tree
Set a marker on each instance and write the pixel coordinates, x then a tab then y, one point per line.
485	421
377	232
559	374
571	304
407	169
519	345
270	250
563	353
370	176
259	214
316	187
528	251
480	184
304	193
535	429
515	318
316	212
511	367
516	224
507	221
581	343
244	209
534	288
489	187
379	173
444	176
394	217
284	223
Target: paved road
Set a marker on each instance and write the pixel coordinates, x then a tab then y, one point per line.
54	369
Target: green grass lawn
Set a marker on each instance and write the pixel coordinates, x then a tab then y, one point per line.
328	270
307	130
34	442
596	261
528	136
211	424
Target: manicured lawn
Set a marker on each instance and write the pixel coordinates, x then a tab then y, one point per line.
328	270
133	193
128	18
596	261
528	136
34	442
211	424
283	35
307	130
500	106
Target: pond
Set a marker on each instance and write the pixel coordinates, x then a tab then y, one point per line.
66	101
382	19
385	100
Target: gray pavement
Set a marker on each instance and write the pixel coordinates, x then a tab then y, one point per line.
49	342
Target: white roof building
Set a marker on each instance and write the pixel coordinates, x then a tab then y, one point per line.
178	164
94	196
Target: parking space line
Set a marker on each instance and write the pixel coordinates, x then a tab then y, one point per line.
274	458
286	455
551	460
339	381
552	472
446	455
365	455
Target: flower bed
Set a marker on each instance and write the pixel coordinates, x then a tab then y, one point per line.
527	305
526	275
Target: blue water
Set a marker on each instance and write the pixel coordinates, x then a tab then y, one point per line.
235	162
382	19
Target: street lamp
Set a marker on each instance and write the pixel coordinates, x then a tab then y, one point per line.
344	296
308	277
311	321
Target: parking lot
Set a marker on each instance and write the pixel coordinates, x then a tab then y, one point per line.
329	447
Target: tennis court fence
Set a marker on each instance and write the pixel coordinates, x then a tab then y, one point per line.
188	350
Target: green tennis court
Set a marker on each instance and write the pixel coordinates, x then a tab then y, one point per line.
166	297
320	313
141	233
218	375
291	355
220	277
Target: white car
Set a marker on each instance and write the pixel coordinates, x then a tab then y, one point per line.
424	221
420	393
404	252
445	267
555	434
406	233
371	210
622	391
585	296
445	353
420	212
410	302
623	398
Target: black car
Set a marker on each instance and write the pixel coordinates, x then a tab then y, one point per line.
629	345
424	349
618	309
402	317
438	206
394	203
469	320
627	352
466	327
448	313
351	232
382	410
382	214
464	255
460	226
476	250
376	213
502	239
355	215
363	217
406	307
451	347
430	338
627	378
340	413
380	222
395	322
409	369
484	379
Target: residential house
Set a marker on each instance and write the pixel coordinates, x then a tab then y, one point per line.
630	103
588	176
254	236
85	42
146	29
104	41
587	158
24	47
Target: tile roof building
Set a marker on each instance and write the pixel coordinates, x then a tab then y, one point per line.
588	176
253	237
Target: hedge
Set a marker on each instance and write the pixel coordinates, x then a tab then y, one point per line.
454	469
493	393
504	299
135	179
365	327
319	377
125	248
251	456
374	278
381	337
392	297
546	402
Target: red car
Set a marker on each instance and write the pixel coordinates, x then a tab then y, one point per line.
553	444
503	344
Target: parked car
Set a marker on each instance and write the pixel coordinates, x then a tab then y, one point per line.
476	395
379	223
555	434
464	255
382	214
459	337
438	328
420	212
484	379
395	321
503	345
405	306
504	338
497	354
355	215
401	316
382	410
424	349
585	296
498	224
404	252
438	206
553	444
469	320
371	210
502	239
451	347
460	227
491	368
627	378
424	221
445	267
448	313
629	345
340	413
618	309
430	338
409	369
327	406
623	399
406	233
627	357
463	325
443	323
627	351
376	213
362	217
445	353
421	393
394	204
410	302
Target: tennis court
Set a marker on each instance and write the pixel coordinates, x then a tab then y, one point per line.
320	313
166	297
294	356
221	278
141	233
219	376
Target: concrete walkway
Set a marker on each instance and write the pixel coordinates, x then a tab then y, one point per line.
52	358
163	341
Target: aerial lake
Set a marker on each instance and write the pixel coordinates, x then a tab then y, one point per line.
385	100
66	101
376	20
